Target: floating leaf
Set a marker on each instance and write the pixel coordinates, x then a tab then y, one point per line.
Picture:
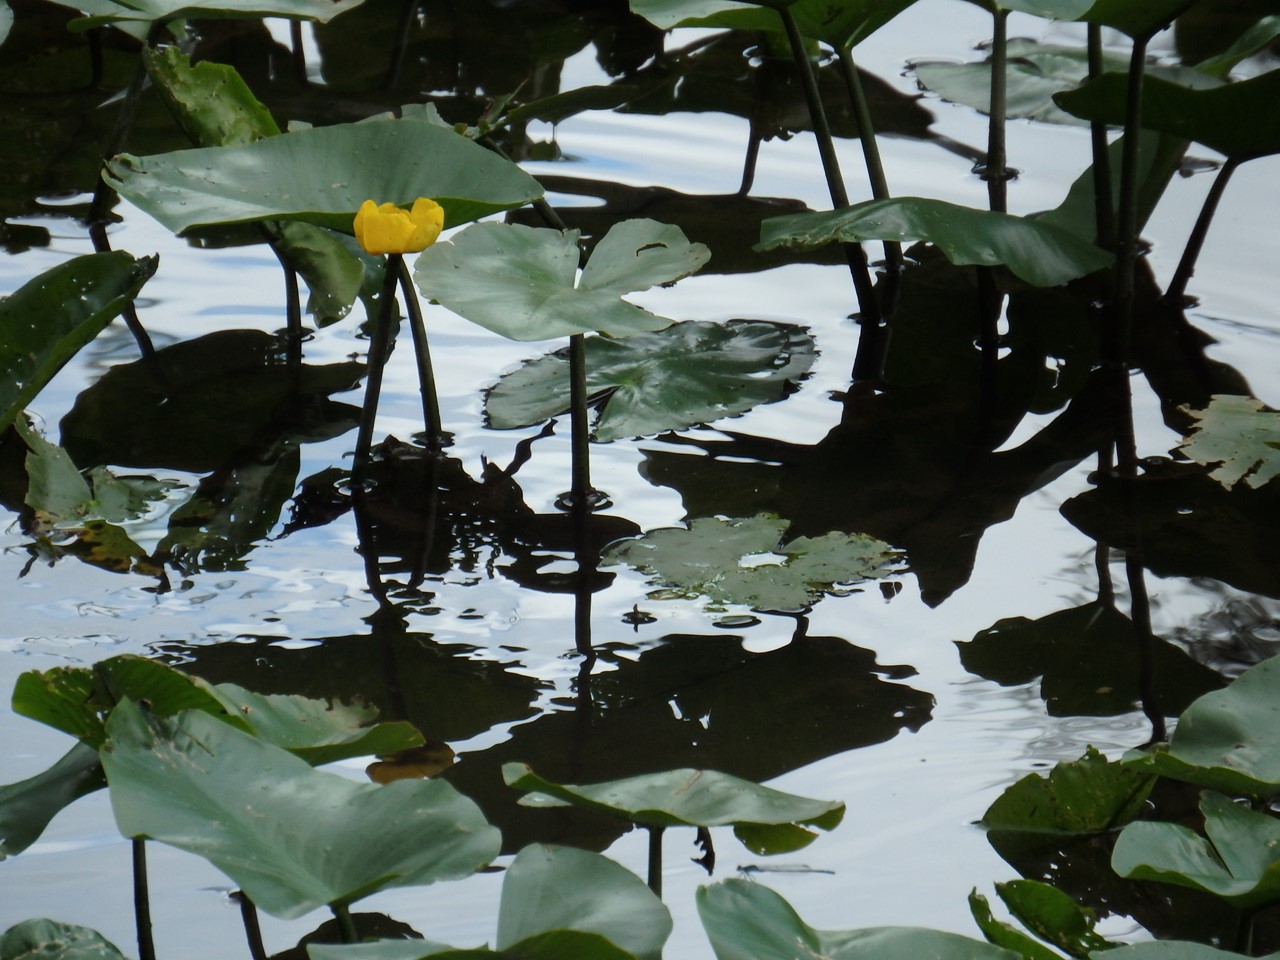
1228	740
520	281
768	821
1006	934
1053	916
1239	861
1040	254
51	940
27	807
689	373
841	25
322	175
744	561
1239	435
47	320
1089	795
1208	116
747	921
313	838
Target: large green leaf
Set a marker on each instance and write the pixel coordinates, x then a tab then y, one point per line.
210	101
322	175
1236	119
841	25
1089	795
746	921
1006	934
145	11
1040	254
26	807
1240	436
1228	740
766	820
522	281
688	373
1136	19
1053	916
47	320
292	837
743	560
1239	861
51	940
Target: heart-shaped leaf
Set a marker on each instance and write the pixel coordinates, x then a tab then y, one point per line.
292	837
1040	254
521	282
688	373
47	320
322	175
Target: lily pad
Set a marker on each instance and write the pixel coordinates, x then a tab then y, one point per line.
1006	934
47	320
841	25
743	560
1040	254
1240	436
51	940
1053	916
322	175
1209	116
313	838
747	921
1239	861
522	283
768	821
27	807
689	373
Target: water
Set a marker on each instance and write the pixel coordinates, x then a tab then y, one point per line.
908	852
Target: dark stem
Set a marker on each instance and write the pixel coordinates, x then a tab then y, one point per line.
1127	218
870	148
402	37
146	349
380	343
1244	931
1195	243
299	52
345	923
435	436
252	931
996	172
749	161
293	320
142	901
581	491
990	302
1104	213
1102	553
655	859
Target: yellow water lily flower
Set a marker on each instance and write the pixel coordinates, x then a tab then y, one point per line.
387	228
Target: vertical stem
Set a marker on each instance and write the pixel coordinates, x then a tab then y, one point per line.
422	349
1104	213
870	148
146	349
581	492
299	52
380	342
1187	265
293	320
655	860
996	172
142	901
396	60
1127	218
345	923
252	930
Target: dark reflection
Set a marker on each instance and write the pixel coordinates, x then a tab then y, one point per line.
695	701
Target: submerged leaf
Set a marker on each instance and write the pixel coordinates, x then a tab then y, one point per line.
1240	436
689	373
1040	254
521	282
743	560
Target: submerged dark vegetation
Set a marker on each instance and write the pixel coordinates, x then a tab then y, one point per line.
969	321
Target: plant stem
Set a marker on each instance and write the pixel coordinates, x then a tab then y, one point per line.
655	859
345	923
1104	213
142	901
996	172
581	492
252	930
1127	218
380	342
436	439
1187	265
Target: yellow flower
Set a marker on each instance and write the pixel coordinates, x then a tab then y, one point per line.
390	229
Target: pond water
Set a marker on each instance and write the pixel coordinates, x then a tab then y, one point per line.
873	706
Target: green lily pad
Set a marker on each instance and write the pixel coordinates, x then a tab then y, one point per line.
1239	861
27	807
6	20
51	940
841	25
1053	916
322	175
1211	116
1240	436
1006	934
1040	254
1228	740
743	561
747	921
210	101
768	821
313	838
688	373
522	283
47	320
1089	795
